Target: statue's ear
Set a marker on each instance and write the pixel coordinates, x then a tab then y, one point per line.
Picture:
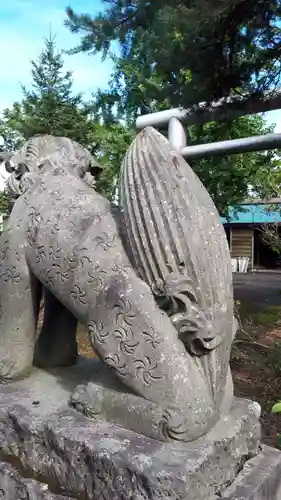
9	167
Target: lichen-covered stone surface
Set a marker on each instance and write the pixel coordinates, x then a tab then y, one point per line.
95	460
260	478
13	486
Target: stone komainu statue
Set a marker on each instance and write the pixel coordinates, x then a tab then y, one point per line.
156	296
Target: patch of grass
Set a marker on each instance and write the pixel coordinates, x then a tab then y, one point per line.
267	317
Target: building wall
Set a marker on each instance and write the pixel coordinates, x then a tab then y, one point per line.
241	242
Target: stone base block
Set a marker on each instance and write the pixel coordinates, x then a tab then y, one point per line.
15	487
52	452
260	478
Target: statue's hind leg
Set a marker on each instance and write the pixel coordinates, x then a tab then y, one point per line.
161	421
168	396
56	344
20	294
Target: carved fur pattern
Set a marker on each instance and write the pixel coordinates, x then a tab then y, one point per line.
151	338
68	240
145	369
173	426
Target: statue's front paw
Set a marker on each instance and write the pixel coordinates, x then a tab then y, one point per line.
9	369
174	425
177	425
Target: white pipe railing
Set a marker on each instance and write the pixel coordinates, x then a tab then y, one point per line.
177	137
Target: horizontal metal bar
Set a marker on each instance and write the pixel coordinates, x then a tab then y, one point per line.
234	146
225	108
161	118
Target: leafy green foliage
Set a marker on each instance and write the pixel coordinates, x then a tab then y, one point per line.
229	178
49	107
11	139
269	235
161	64
109	145
3	202
276	408
189	50
181	52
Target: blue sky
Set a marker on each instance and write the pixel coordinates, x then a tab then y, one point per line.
24	23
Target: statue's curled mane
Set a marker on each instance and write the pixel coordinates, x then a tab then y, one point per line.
40	150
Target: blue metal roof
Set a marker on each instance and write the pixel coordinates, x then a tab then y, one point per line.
258	213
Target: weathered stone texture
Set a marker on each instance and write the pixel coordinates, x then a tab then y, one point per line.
151	280
13	486
260	478
100	460
163	322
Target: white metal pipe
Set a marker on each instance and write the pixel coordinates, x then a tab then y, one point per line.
229	107
177	134
235	146
161	118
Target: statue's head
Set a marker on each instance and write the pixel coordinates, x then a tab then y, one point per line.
26	164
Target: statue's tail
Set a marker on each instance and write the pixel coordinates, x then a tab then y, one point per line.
178	246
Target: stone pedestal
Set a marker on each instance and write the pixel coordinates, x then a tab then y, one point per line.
260	478
49	451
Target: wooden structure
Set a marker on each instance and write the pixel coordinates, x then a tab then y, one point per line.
242	243
244	228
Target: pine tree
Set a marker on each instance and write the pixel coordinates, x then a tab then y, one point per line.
50	107
181	52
